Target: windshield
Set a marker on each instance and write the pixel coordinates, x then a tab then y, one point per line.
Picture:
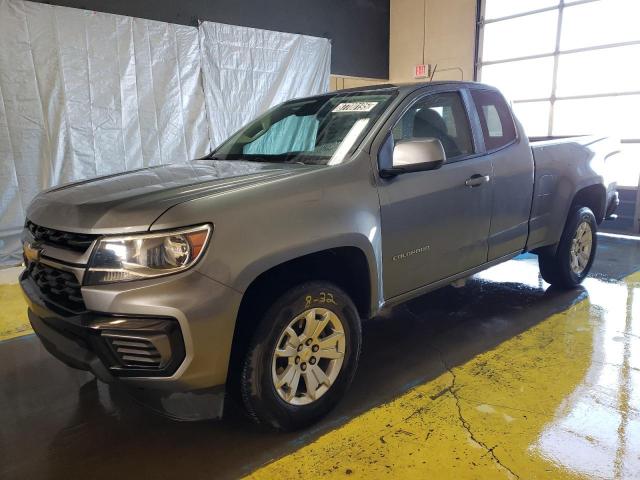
320	130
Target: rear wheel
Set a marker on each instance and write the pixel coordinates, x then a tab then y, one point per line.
302	358
575	253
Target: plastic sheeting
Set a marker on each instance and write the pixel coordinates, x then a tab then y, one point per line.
247	70
85	94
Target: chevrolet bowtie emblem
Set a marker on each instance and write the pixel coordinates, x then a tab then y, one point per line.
32	252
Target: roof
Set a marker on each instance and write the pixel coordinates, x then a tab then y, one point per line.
408	87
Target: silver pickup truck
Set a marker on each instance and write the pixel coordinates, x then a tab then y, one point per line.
251	270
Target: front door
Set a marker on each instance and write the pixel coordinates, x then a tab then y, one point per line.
435	224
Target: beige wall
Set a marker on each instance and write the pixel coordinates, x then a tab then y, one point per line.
449	26
449	33
340	82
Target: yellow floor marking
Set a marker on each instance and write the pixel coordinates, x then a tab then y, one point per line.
474	421
13	313
553	402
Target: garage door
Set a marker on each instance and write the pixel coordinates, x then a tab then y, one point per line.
570	68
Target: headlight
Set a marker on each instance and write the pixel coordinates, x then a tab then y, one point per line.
135	257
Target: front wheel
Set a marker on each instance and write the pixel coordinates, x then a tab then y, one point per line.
302	358
572	261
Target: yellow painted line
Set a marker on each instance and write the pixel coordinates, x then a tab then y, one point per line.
481	420
13	313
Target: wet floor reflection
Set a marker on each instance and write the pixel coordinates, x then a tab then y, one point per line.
596	432
597	429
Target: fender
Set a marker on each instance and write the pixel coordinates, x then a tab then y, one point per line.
265	263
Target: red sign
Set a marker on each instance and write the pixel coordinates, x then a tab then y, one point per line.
421	71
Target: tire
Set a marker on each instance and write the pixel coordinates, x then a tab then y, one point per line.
558	269
291	406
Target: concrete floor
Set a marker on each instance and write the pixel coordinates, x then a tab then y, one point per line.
504	378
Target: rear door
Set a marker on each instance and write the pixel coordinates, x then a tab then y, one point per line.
434	225
513	172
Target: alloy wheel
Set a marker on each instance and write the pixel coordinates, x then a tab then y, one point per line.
308	356
581	246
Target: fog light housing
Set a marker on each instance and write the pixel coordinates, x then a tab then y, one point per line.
142	346
139	351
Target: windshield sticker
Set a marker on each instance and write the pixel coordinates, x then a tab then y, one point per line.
355	107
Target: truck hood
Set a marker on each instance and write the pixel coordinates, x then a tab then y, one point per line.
132	201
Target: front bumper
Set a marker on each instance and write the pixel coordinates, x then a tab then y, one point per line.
110	346
188	318
72	352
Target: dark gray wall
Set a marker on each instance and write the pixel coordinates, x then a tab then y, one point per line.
358	29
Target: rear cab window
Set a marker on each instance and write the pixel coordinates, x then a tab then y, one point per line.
498	127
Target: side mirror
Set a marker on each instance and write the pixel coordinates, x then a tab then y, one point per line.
416	155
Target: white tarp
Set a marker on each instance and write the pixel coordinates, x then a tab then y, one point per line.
247	70
85	94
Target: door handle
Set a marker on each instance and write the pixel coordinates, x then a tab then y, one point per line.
477	180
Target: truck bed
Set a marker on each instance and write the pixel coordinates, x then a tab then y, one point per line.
564	165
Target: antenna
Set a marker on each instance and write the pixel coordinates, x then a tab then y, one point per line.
433	72
458	69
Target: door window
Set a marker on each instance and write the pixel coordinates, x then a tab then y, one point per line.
497	124
440	116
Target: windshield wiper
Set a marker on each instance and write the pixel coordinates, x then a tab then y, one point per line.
257	159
